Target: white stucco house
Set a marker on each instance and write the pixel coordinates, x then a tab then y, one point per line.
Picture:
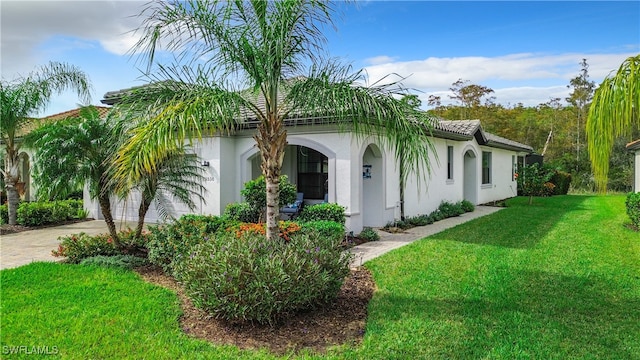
359	174
634	147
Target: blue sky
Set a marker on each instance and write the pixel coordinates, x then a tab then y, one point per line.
525	51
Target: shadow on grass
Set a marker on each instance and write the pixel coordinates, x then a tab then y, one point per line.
520	225
531	315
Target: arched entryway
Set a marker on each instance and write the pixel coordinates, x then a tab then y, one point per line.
372	187
470	190
308	165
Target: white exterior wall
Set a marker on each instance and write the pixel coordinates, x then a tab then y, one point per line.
502	185
369	201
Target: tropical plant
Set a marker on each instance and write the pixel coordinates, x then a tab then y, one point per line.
615	108
272	50
77	151
24	97
254	193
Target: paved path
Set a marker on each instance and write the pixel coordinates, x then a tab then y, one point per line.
388	242
36	245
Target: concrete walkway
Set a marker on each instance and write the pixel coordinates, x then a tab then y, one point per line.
388	242
36	245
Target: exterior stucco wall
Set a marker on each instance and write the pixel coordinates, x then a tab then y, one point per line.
502	185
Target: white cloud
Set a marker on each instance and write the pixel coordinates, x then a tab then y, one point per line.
377	60
525	78
26	25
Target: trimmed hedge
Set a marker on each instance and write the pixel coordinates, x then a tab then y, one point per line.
562	181
325	211
633	208
44	212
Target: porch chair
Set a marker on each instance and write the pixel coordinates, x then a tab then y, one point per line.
293	210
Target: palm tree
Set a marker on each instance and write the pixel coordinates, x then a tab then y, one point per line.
259	62
22	98
83	148
177	177
75	151
615	108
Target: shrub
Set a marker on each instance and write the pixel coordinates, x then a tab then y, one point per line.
4	214
324	211
242	212
286	229
369	234
49	212
254	279
450	210
420	220
170	242
437	215
324	228
562	181
532	181
80	246
118	261
467	206
255	194
633	208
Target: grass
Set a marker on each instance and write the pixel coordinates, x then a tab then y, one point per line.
556	280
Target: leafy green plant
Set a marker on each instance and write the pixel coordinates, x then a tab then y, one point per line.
562	181
449	209
242	212
532	180
118	261
369	234
632	204
252	278
80	246
419	220
467	206
325	211
169	243
49	212
255	194
4	214
324	228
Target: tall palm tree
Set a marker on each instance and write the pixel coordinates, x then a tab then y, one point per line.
260	62
22	98
615	107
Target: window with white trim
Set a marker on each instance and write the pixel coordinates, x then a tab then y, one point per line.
486	167
449	162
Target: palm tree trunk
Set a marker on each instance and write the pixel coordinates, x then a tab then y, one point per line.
272	140
11	178
105	207
142	212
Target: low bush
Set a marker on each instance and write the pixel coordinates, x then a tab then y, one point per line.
80	246
242	212
255	194
562	181
286	229
171	242
450	209
324	211
369	234
467	206
49	212
633	208
251	278
420	220
324	228
4	214
118	261
437	215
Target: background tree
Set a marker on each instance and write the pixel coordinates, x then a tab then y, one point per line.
470	96
264	64
22	98
614	111
580	98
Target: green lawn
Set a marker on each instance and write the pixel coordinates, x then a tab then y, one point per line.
556	280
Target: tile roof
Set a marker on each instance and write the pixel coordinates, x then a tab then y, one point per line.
102	110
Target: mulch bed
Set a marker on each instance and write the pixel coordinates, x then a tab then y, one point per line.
6	229
342	322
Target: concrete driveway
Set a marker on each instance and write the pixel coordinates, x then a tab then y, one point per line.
36	245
